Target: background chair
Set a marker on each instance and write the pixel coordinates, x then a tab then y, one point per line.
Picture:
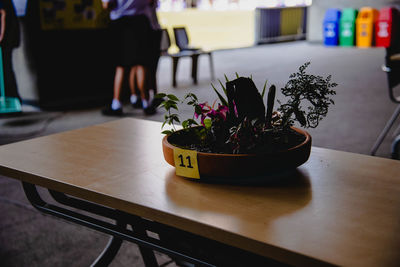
165	45
165	42
182	41
392	69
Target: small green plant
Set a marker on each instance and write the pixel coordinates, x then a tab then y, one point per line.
240	122
169	104
314	91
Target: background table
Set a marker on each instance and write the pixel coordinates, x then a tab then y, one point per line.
339	208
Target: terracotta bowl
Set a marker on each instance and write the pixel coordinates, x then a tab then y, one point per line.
239	165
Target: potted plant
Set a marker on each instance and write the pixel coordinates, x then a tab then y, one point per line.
239	136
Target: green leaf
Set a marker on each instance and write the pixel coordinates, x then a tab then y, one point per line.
226	78
192	122
170	104
166	105
223	88
263	91
167	132
192	96
221	98
207	123
172	97
237	75
185	124
174	117
160	95
198	109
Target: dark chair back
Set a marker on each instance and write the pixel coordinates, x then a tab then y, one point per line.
165	41
181	38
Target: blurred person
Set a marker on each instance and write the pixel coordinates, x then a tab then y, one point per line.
156	42
153	58
9	39
132	31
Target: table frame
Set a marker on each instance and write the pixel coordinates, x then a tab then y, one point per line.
178	244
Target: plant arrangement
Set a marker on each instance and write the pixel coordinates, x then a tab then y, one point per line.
240	122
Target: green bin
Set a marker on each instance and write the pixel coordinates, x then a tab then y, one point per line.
348	27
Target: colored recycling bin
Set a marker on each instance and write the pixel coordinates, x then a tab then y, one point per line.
347	29
365	26
387	26
331	27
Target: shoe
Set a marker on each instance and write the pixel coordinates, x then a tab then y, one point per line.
137	104
150	110
112	112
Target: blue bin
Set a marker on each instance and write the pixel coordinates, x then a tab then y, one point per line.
331	27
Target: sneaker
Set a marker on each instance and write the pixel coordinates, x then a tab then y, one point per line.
137	104
112	112
150	110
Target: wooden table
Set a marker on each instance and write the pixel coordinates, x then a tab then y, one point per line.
339	208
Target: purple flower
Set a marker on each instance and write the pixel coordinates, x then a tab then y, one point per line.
204	110
223	111
235	109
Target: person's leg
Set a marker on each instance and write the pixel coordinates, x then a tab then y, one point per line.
118	79
141	27
142	82
132	80
116	107
10	82
135	100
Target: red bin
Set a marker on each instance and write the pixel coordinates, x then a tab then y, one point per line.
386	27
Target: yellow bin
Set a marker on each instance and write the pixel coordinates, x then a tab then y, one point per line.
365	26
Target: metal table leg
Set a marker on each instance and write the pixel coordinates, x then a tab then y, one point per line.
180	245
119	231
114	243
385	130
211	66
109	252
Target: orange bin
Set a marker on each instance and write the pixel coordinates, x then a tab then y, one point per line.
365	26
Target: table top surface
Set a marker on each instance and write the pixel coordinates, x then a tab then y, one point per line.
338	208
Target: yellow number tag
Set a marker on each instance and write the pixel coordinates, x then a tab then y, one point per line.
186	163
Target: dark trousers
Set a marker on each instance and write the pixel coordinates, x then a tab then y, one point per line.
10	82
